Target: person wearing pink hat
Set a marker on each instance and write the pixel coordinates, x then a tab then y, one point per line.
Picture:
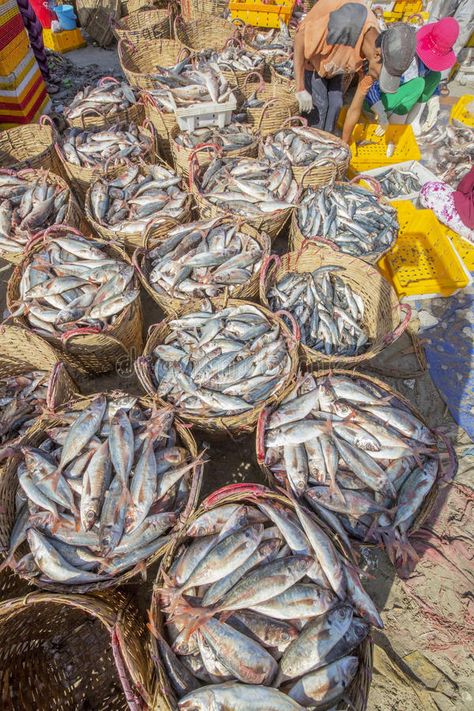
419	87
463	12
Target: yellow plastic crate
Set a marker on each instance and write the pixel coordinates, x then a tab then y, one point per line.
374	154
470	42
63	41
258	14
14	53
464	248
423	261
13	80
461	111
390	16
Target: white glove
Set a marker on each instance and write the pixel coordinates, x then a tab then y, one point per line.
305	101
382	119
433	113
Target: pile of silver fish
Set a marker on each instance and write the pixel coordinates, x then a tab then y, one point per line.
302	146
350	216
219	362
99	492
201	259
22	398
250	187
448	151
187	85
26	207
360	457
272	43
73	283
230	138
285	67
329	313
233	58
107	98
104	146
162	99
395	182
126	204
261	611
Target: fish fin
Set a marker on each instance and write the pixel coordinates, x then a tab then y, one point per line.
152	627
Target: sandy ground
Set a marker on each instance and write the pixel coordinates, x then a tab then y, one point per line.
423	659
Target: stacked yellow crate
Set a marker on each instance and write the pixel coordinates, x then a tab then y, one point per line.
23	95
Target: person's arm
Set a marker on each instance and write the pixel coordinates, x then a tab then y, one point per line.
355	109
299	60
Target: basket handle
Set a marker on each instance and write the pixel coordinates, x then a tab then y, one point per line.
288	121
319	163
127	43
453	460
373	182
296	332
136	256
44	120
264	110
265	266
416	14
260	434
251	490
109	79
193	159
402	326
261	84
234	40
142	369
149	226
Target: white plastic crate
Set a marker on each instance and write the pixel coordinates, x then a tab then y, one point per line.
420	171
205	114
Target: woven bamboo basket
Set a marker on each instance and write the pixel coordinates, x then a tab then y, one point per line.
80	178
164	696
277	78
88	350
73	652
131	241
194	9
73	215
279	104
236	77
30	146
297	237
139	61
445	473
323	171
129	6
97	119
272	223
235	424
9	485
170	304
182	155
206	32
145	24
383	321
163	123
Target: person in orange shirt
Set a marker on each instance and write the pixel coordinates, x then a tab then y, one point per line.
339	37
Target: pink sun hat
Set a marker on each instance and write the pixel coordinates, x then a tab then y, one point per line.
434	44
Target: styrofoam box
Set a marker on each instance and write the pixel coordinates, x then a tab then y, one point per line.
422	173
205	114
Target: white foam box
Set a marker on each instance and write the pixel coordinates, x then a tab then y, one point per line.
414	166
205	114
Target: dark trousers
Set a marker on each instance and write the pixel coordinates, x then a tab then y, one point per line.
327	100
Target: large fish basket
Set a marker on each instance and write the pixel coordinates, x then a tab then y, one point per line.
194	9
182	155
131	241
30	146
170	304
145	24
73	214
235	424
448	462
9	486
164	695
277	78
87	350
237	77
164	124
80	177
271	223
279	104
297	237
206	32
98	119
139	60
385	319
127	7
323	170
73	652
